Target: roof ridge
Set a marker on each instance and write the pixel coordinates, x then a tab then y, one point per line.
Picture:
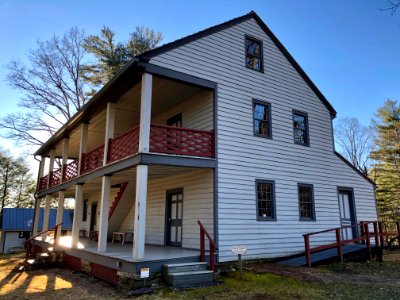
196	35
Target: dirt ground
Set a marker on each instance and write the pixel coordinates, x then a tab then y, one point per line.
49	284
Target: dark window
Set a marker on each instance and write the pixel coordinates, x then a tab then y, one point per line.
306	202
262	119
300	128
175	121
254	58
85	210
265	200
24	234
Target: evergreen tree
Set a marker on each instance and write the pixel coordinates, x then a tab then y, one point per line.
386	170
112	56
16	184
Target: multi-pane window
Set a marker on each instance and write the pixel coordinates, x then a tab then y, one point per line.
265	200
262	119
254	54
300	128
306	202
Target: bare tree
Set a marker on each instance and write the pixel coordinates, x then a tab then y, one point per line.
392	6
355	142
52	86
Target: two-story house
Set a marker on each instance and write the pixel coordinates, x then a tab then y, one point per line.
222	127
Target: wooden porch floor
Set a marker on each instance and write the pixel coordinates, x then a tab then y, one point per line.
124	252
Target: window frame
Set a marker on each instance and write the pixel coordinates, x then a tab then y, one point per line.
272	183
269	131
307	130
312	209
248	37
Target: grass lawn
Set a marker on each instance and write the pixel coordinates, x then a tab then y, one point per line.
261	281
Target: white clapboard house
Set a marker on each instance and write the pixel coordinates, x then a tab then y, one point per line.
222	127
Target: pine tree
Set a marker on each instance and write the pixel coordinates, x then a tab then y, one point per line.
386	169
112	56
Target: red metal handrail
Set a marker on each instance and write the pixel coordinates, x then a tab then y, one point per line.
212	248
364	237
29	240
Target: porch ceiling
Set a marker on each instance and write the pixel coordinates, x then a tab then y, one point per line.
155	171
166	94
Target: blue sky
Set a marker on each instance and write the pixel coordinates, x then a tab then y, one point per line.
350	49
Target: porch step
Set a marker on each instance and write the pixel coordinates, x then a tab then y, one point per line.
184	267
190	279
188	275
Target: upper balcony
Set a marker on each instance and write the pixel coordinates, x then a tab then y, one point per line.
182	124
163	139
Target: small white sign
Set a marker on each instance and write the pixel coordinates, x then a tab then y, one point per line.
144	273
239	249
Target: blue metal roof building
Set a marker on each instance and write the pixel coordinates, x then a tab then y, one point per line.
21	219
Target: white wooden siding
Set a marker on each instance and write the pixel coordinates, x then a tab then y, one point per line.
95	198
197	112
243	158
198	204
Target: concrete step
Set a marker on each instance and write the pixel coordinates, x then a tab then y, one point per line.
190	279
184	267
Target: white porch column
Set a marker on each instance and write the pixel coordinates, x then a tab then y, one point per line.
104	210
65	149
36	217
76	223
109	130
139	229
46	215
83	144
51	164
60	211
145	112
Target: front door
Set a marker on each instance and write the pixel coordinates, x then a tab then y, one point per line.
174	218
347	214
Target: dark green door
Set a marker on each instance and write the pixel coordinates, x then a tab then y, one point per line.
174	218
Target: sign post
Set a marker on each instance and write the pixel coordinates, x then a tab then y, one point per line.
239	250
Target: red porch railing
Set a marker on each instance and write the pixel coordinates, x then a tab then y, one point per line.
364	237
212	248
55	177
181	141
163	139
43	183
70	170
92	160
123	146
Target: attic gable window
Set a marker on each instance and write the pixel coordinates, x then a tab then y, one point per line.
300	128
254	52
